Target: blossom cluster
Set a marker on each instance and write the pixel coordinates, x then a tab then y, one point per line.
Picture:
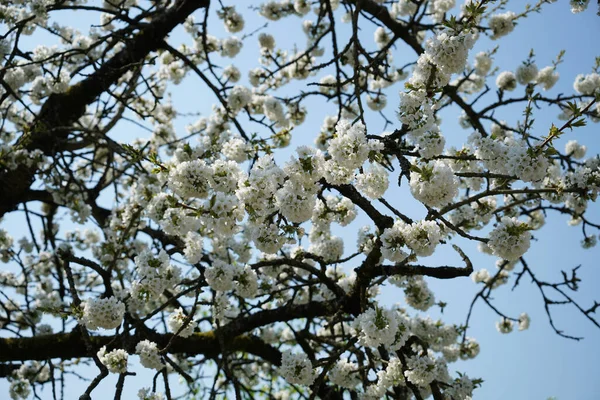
106	313
149	357
181	324
510	239
420	237
296	368
115	360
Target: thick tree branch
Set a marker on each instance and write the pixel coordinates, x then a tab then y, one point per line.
61	110
72	345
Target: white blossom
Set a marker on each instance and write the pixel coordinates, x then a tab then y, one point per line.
230	47
220	275
296	368
148	394
378	326
502	24
483	63
149	357
526	73
433	183
504	326
510	239
115	360
506	81
106	313
587	84
345	374
19	389
178	319
547	78
373	182
393	242
578	6
575	150
524	322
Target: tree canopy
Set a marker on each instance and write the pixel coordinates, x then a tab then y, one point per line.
240	251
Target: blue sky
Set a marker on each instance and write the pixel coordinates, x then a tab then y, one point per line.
534	364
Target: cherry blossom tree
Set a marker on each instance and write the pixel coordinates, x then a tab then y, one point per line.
205	248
